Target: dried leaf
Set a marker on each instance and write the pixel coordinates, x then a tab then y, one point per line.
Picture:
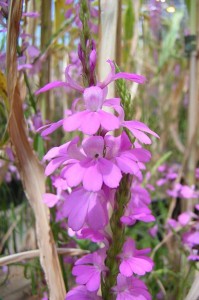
31	171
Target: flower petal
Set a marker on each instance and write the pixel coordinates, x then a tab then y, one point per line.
92	180
93	145
90	123
108	121
51	86
110	172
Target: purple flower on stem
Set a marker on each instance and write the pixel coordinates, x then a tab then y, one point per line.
134	213
82	207
86	165
130	289
74	85
119	149
140	196
88	269
138	130
81	293
94	99
134	261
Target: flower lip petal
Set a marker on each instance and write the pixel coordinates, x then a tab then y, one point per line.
93	98
51	86
93	146
71	83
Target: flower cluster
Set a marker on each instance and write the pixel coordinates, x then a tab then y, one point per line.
89	172
73	10
168	178
187	222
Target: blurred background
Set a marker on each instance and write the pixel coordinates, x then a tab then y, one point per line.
155	38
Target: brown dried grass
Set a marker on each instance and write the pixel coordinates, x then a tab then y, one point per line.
32	174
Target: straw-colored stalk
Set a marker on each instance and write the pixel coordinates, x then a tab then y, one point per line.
46	32
32	174
108	31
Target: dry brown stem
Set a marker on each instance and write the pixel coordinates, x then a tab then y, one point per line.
32	174
18	257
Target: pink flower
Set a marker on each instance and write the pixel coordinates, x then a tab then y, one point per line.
130	288
82	207
50	199
33	14
119	149
140	196
45	296
49	128
134	213
74	85
134	261
90	167
95	236
191	238
57	156
138	129
88	270
94	99
153	231
185	217
81	293
172	224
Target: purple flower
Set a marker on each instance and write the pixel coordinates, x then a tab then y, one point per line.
87	164
49	128
74	85
94	99
32	14
134	213
138	129
191	238
153	231
134	261
81	293
185	217
88	269
95	236
82	207
140	196
45	296
50	199
119	149
57	156
130	288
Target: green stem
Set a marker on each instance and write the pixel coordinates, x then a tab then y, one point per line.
31	95
86	43
118	237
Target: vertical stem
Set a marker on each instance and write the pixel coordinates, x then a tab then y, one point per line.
118	44
108	26
118	237
193	107
86	44
46	32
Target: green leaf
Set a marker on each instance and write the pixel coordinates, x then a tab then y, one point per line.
129	21
39	146
168	44
188	4
160	162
